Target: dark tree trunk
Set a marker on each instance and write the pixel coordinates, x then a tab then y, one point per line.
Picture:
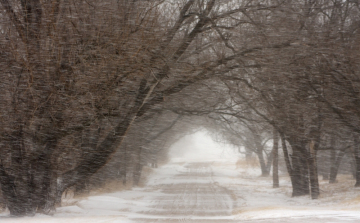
332	177
138	168
357	160
305	173
259	152
264	170
314	181
324	169
275	159
58	194
300	169
51	198
269	162
297	167
137	174
335	167
31	187
301	184
123	165
353	166
18	204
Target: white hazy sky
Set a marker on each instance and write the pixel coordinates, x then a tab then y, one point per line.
200	147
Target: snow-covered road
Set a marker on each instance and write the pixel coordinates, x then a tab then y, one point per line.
194	195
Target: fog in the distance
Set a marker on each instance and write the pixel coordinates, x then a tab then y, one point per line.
201	147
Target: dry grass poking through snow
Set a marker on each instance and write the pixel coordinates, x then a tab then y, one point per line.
69	197
111	186
252	162
259	196
115	186
260	199
343	191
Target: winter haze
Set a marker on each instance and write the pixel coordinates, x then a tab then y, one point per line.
199	147
180	111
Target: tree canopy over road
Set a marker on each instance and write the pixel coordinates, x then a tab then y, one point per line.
88	84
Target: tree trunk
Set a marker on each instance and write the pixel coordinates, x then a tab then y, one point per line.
300	169
275	159
138	168
357	160
58	193
287	158
264	170
357	164
332	177
314	181
137	174
353	167
31	188
29	195
259	152
269	161
300	180
335	167
123	165
324	167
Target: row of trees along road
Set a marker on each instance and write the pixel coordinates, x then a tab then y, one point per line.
79	76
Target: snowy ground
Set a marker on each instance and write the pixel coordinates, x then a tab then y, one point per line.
211	192
204	184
